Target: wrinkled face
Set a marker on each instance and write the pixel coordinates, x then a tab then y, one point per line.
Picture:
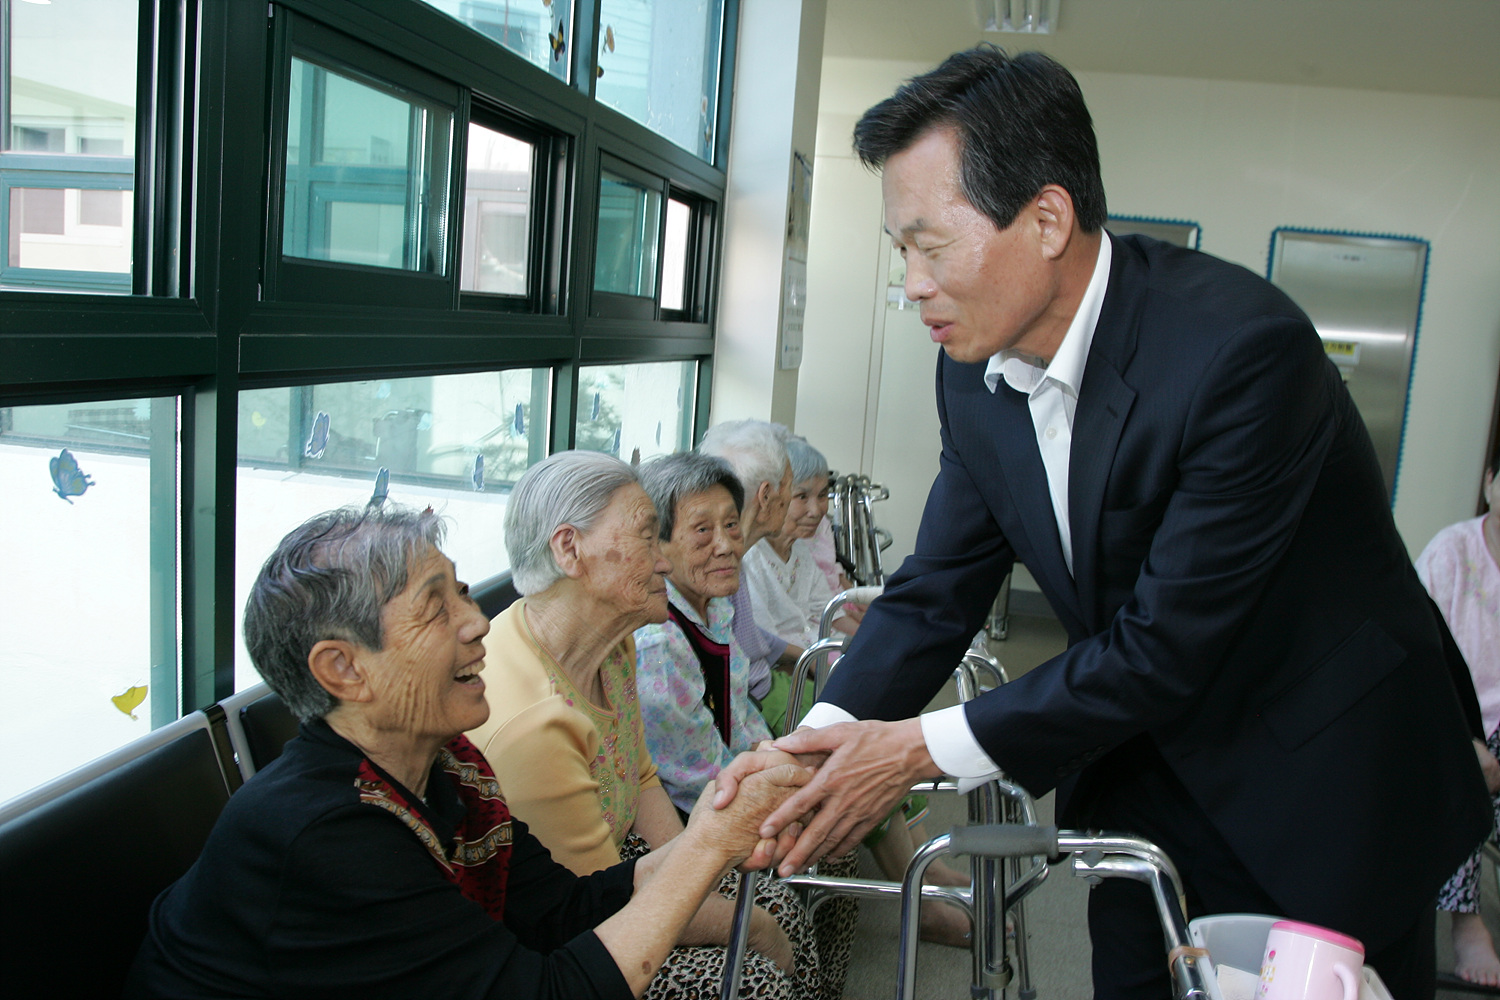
621	558
772	515
706	545
425	682
805	509
981	289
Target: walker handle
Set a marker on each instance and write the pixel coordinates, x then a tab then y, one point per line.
1003	840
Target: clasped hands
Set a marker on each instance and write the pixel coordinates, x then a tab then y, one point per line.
859	772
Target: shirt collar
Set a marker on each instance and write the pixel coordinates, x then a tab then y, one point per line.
1072	354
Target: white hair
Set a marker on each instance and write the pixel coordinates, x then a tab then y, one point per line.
754	449
570	487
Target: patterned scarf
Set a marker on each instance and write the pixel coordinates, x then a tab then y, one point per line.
478	860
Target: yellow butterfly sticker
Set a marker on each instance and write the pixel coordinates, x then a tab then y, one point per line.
130	701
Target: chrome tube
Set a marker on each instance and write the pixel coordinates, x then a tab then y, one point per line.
739	938
911	900
813	656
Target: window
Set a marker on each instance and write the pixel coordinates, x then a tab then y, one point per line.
88	641
67	149
675	255
658	64
538	31
454	442
629	409
626	241
496	253
366	174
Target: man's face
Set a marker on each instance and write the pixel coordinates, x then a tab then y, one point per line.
981	289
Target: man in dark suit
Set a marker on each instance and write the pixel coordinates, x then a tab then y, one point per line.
1255	679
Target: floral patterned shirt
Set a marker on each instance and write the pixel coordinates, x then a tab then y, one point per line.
1458	571
679	728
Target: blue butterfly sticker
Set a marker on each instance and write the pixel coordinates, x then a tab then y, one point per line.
317	441
382	488
518	425
615	448
477	476
68	480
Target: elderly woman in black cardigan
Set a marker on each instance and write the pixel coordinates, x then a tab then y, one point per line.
375	857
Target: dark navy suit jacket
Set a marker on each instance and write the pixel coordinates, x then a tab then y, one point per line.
1240	597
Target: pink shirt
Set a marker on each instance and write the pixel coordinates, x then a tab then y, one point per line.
1460	574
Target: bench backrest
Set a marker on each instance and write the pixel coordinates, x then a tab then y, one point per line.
82	858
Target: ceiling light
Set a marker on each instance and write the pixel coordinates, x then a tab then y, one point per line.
1027	17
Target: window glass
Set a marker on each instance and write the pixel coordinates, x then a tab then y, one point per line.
629	219
658	63
88	634
454	442
648	408
366	174
538	31
497	213
67	157
675	255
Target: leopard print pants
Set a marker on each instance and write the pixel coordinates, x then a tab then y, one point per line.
695	972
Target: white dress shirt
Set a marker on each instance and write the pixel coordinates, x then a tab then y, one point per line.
1052	395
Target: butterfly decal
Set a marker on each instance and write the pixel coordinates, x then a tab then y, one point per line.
558	45
317	441
130	701
607	45
382	489
477	475
615	448
594	412
658	432
68	480
518	425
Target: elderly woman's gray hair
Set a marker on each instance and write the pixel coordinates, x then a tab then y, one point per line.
571	487
673	478
807	461
330	579
754	449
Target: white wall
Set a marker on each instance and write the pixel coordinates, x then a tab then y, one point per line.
1240	159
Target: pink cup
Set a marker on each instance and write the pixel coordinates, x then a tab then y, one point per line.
1308	962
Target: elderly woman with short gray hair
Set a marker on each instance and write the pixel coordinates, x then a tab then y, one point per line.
375	857
565	736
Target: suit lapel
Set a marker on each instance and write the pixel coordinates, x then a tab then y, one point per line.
1104	402
1026	478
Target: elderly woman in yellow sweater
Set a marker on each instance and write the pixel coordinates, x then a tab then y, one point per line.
564	734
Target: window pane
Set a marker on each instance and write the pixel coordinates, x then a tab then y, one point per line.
536	30
69	94
366	174
497	213
88	633
659	64
629	217
455	442
68	229
675	254
625	408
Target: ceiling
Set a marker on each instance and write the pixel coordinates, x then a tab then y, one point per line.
1413	46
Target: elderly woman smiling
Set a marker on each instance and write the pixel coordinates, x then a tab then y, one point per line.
692	673
565	735
375	857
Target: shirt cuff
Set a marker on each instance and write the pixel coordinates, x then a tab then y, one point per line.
825	714
953	747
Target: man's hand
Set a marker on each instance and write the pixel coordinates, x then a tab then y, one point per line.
763	757
870	767
1489	765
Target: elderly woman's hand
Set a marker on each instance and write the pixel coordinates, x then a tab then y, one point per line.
733	831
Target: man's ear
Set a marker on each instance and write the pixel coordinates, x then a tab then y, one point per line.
1055	218
565	550
333	665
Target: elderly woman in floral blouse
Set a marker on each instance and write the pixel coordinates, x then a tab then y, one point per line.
564	734
692	674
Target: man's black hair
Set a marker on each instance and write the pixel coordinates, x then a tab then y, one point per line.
1021	124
